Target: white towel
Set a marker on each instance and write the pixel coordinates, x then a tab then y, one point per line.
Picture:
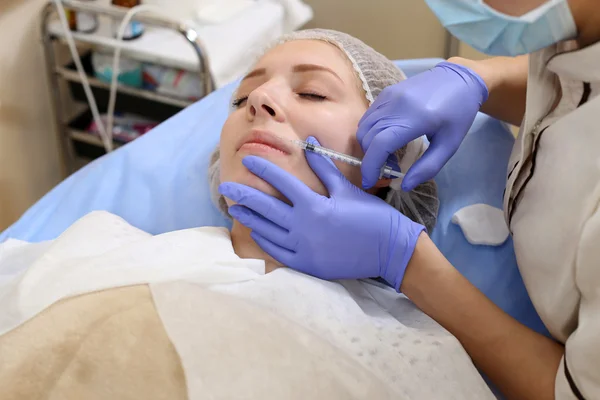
297	13
482	224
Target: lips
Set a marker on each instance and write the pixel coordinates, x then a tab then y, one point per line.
267	141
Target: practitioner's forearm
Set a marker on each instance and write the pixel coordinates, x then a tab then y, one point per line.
521	362
506	79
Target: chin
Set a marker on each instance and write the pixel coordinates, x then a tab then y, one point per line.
247	178
242	175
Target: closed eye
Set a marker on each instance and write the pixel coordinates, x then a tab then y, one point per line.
312	96
237	103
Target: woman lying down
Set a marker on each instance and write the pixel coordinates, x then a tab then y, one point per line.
107	311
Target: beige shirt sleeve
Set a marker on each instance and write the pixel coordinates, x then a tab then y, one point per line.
579	372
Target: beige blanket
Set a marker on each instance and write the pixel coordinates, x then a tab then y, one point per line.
113	345
103	345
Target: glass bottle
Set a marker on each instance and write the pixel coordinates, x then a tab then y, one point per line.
82	21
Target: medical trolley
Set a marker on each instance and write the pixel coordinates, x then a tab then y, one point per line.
180	48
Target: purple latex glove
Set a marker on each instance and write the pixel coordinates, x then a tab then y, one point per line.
440	103
349	235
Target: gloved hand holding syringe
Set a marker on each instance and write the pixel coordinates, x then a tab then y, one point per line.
386	171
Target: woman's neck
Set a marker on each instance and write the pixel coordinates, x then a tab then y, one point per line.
245	247
587	18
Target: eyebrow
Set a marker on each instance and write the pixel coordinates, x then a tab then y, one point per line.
313	67
297	68
255	73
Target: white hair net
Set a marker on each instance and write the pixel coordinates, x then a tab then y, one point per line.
375	72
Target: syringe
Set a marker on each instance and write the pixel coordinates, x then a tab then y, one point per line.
386	171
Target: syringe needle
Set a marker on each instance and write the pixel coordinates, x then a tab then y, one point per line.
336	155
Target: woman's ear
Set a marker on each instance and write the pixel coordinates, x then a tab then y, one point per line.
381	183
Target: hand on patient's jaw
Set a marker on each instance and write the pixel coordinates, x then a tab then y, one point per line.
326	237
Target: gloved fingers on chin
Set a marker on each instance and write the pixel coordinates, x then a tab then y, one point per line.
259	224
290	186
267	206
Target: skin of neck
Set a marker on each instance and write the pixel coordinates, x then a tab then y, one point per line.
587	18
245	247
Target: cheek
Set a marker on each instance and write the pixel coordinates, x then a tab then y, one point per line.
336	130
232	129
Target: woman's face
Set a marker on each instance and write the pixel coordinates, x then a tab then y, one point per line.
514	8
298	89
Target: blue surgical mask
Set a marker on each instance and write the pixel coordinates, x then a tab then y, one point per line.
493	32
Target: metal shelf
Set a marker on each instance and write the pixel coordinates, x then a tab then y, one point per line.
73	76
188	54
184	49
88	138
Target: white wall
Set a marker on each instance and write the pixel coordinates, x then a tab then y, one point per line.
29	162
396	28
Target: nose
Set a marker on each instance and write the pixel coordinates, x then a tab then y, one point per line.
262	103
